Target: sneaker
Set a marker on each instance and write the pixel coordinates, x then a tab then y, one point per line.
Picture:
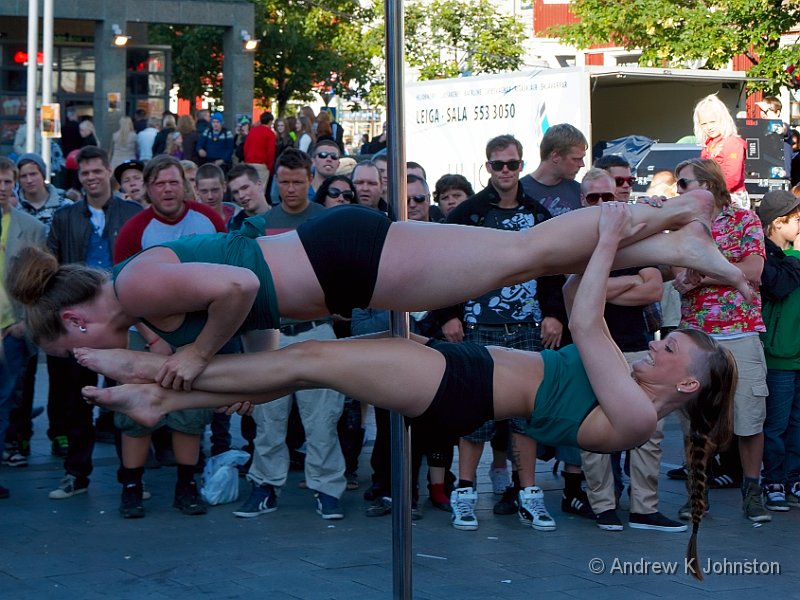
775	497
507	505
380	507
577	505
375	492
500	479
793	494
753	504
462	502
14	458
609	521
130	506
681	473
724	482
328	507
655	522
532	511
69	487
60	446
262	500
188	500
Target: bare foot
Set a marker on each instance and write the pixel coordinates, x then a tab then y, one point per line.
120	365
701	254
142	403
693	206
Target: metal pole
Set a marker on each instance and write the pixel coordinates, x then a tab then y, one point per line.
47	75
33	47
401	441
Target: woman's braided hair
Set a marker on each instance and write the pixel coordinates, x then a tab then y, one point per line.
710	416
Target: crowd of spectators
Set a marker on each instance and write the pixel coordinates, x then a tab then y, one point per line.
164	178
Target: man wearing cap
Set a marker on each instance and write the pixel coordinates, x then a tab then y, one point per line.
216	145
131	182
780	281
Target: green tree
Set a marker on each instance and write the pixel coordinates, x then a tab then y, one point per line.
196	58
669	33
448	38
310	45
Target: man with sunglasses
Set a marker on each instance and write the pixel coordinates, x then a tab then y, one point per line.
562	151
325	160
527	317
620	171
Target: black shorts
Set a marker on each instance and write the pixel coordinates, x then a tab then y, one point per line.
344	247
465	398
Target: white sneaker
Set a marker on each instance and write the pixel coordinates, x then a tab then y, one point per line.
500	479
462	503
532	510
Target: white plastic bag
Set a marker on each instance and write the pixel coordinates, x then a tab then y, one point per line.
221	477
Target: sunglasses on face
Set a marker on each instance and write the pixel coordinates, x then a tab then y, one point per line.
419	199
497	165
620	181
595	197
331	155
684	182
346	194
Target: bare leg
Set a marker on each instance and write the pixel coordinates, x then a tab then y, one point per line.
475	260
362	369
148	403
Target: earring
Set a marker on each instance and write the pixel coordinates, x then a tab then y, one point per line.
82	329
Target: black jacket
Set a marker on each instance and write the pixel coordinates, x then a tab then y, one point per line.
71	230
781	274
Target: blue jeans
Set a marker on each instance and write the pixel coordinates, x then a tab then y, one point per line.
12	365
782	428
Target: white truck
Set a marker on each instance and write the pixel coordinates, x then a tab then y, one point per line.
448	122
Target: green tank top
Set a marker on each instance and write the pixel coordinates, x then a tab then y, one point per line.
236	249
564	399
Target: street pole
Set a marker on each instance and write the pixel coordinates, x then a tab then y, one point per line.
33	51
401	442
47	77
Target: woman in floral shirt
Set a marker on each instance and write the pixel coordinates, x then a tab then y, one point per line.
722	312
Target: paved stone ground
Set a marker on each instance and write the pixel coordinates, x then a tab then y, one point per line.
80	548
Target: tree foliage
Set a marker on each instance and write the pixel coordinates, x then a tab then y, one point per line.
448	38
196	58
310	45
710	32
